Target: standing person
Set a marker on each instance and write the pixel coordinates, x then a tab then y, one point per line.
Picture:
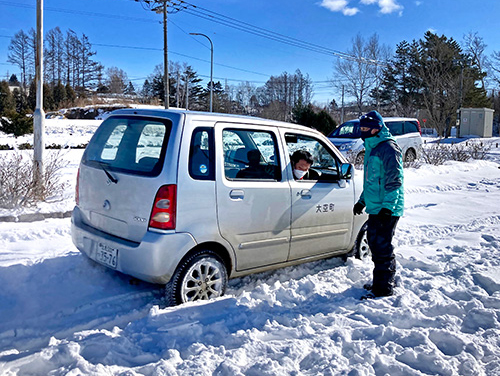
301	164
383	198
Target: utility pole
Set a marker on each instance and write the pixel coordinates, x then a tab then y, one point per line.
165	55
162	9
177	94
342	110
187	91
39	115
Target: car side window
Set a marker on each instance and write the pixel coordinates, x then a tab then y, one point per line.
395	127
410	127
325	162
250	155
201	154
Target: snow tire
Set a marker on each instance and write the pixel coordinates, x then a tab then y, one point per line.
202	275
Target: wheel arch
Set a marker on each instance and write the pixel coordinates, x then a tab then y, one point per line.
218	249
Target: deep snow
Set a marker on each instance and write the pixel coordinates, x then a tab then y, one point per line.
61	314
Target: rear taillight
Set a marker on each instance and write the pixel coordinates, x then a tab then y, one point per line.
419	129
163	212
77	189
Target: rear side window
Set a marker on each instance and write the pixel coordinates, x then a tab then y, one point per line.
411	127
133	145
250	155
395	127
202	155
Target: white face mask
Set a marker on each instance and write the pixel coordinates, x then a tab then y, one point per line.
299	174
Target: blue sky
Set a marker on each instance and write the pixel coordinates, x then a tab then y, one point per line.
126	35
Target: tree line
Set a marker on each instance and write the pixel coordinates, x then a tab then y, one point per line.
430	77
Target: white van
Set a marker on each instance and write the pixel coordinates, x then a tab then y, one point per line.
406	131
161	196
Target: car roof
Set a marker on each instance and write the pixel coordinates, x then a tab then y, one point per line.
210	115
388	118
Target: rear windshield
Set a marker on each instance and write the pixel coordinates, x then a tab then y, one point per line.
134	145
349	129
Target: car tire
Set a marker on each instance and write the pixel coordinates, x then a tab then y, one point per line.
200	276
410	155
362	250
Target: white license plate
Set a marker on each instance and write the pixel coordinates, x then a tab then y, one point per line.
107	255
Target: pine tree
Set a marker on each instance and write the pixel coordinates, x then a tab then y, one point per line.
6	99
60	95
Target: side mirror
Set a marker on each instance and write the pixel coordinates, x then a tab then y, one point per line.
346	171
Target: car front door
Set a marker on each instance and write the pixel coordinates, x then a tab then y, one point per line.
321	209
253	195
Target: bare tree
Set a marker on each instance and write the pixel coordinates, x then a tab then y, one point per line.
54	55
361	73
495	66
117	80
20	54
474	46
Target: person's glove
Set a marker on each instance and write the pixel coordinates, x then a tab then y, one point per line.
358	208
384	216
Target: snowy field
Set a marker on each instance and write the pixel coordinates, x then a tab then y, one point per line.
61	314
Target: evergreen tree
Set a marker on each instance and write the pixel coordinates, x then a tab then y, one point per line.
130	89
13	81
319	120
6	99
21	101
60	95
447	80
399	92
70	94
147	90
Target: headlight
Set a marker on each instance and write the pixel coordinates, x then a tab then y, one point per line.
346	146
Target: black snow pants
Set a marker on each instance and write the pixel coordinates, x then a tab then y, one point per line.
379	235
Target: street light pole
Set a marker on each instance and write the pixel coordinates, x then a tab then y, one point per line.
211	67
39	114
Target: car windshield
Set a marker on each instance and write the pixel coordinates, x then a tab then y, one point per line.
350	129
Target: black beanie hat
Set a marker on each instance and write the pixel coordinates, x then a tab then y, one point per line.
372	120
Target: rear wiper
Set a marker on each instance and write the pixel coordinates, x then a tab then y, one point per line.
110	177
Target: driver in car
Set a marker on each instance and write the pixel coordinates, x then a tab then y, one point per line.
301	164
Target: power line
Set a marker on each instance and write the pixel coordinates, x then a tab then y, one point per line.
220	19
265	33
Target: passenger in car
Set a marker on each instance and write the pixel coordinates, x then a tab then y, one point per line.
254	170
301	164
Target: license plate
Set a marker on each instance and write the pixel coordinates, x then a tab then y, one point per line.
107	255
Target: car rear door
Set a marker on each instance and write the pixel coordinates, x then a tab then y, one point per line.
120	174
253	209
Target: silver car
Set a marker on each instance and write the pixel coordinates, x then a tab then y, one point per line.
406	131
189	199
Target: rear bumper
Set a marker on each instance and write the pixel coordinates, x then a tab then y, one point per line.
154	259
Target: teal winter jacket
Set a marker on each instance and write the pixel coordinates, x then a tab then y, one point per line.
383	175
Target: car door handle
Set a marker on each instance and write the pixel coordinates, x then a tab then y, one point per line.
305	193
237	194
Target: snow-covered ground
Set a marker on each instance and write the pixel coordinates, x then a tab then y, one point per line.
61	314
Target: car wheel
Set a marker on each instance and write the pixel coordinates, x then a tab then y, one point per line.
360	158
410	155
201	276
362	250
